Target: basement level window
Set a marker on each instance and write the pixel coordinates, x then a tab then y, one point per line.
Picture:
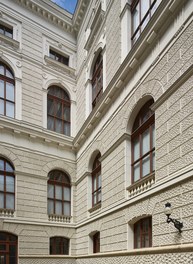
4	30
58	57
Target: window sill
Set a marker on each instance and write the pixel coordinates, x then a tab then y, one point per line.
6	212
59	66
4	40
94	208
59	218
141	185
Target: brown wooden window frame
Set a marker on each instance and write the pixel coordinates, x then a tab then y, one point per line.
141	235
96	242
5	101
59	57
6	31
96	178
65	103
60	244
97	80
139	128
10	241
149	13
5	174
59	178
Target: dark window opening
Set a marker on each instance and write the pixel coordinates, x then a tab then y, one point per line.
96	181
59	246
58	57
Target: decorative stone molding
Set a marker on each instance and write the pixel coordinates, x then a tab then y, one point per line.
6	212
141	185
59	218
59	66
6	41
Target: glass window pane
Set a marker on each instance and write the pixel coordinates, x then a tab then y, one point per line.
10	201
99	181
50	191
136	172
153	161
153	136
136	18
67	129
136	149
94	183
1	69
67	209
58	126
9	109
58	192
94	198
8	167
67	194
50	123
1	182
1	200
146	166
10	184
145	142
10	91
59	109
99	196
2	95
145	22
50	207
50	106
1	107
9	74
66	113
1	165
59	208
144	7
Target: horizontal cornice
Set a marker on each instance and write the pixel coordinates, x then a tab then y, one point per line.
56	15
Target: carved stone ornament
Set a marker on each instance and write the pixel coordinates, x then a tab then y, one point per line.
18	64
1	14
1	54
44	75
60	45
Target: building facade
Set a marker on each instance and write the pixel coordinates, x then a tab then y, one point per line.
96	132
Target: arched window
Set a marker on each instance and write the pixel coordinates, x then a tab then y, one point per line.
143	233
59	246
97	80
96	181
58	110
7	185
59	193
143	143
7	91
8	248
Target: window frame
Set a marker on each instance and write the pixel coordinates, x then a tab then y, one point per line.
97	75
6	174
65	103
64	59
6	29
9	80
149	13
96	174
11	240
53	244
137	133
54	199
142	233
96	242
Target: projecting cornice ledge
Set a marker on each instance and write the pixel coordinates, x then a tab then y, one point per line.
49	11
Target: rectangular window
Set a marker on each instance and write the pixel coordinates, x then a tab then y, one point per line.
58	57
142	11
8	32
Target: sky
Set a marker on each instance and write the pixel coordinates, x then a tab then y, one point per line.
68	5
